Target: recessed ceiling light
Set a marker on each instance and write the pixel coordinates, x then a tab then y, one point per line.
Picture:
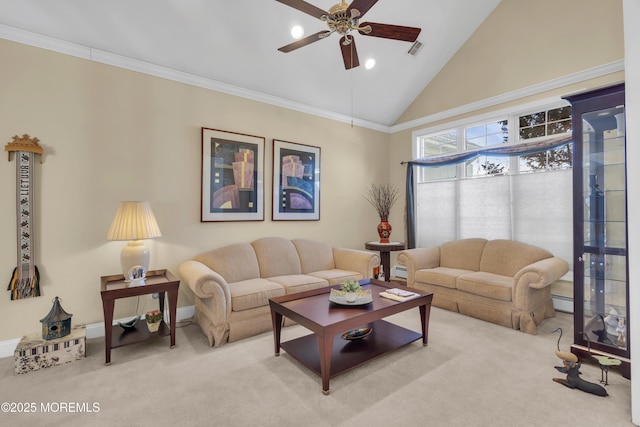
297	32
370	63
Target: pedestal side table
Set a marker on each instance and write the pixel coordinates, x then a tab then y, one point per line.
385	250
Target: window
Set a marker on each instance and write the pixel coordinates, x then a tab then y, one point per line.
556	158
467	137
483	136
486	135
438	145
487	165
518	197
546	123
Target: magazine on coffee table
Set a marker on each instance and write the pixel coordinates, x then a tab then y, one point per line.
399	294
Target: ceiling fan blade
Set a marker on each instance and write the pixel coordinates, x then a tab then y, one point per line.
361	6
305	41
349	53
395	32
305	7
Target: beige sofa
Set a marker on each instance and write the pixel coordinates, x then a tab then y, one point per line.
501	281
233	284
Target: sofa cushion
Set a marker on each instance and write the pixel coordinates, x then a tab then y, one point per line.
488	285
299	282
253	293
441	276
463	254
235	262
276	257
336	276
507	257
314	255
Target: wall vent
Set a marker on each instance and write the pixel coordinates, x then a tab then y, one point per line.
415	48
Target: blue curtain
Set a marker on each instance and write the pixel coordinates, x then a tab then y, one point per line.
411	227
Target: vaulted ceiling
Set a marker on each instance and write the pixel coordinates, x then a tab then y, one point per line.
233	44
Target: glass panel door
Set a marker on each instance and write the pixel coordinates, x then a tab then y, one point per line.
604	218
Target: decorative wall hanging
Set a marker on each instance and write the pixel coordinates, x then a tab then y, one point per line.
296	181
232	176
25	280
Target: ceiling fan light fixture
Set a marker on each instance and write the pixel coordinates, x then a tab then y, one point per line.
338	20
297	32
338	8
344	19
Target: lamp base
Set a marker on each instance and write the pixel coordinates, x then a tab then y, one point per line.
136	282
133	255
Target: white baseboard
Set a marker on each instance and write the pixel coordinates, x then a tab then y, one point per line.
95	330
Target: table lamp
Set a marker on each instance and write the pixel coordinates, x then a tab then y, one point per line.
134	221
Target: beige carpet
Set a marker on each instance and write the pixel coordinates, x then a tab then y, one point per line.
473	373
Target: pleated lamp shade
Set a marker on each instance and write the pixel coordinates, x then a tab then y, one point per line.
134	221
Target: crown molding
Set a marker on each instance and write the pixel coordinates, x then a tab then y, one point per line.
103	57
44	42
580	76
96	55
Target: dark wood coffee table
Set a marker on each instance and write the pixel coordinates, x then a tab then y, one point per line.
324	351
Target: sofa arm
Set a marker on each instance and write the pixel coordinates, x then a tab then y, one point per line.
542	273
206	283
417	259
538	275
356	260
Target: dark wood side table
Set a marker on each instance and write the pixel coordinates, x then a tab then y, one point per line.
385	250
114	287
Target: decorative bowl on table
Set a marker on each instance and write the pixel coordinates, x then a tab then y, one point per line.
356	334
130	324
340	297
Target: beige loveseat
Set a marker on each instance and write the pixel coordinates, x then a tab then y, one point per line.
233	284
501	281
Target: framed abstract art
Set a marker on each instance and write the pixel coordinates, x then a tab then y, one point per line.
232	176
296	182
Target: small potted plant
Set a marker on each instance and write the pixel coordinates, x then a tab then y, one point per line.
153	318
351	288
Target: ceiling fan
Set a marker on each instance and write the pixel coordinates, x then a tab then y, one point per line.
343	19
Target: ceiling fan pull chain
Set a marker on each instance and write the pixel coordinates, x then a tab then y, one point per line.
351	83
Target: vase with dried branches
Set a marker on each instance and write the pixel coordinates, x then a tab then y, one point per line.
382	197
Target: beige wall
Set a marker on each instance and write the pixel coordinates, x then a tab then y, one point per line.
524	43
109	135
112	134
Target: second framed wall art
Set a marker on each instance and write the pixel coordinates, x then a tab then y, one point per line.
296	182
